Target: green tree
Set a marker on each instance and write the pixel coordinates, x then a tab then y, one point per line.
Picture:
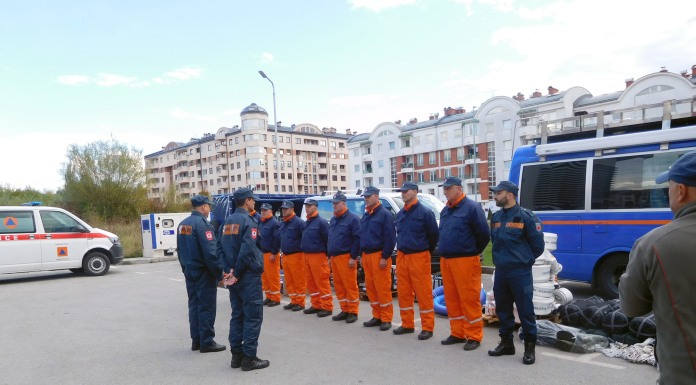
105	178
12	196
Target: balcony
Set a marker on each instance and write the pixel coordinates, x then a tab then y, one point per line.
407	167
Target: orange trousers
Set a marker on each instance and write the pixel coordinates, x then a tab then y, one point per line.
345	283
293	270
378	286
461	278
270	279
413	276
318	280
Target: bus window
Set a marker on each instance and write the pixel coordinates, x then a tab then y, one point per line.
554	186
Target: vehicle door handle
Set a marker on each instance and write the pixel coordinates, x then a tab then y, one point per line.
49	236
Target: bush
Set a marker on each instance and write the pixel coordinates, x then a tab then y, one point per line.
128	232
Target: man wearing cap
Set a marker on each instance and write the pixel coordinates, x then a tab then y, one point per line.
243	261
377	240
317	271
344	249
270	246
416	238
293	259
517	242
464	234
202	268
660	277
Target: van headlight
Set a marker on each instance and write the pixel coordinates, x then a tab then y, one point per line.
115	240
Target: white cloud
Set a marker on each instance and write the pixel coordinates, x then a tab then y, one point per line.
378	5
179	113
358	100
266	57
185	73
72	80
110	80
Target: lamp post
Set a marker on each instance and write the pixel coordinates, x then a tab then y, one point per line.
474	124
275	120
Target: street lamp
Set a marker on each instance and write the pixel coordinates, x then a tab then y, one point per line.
275	120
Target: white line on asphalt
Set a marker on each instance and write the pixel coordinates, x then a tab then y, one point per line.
176	279
584	359
140	272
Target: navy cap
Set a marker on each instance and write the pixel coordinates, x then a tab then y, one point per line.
339	197
200	200
507	186
370	190
408	186
266	206
287	205
683	171
244	193
310	201
451	181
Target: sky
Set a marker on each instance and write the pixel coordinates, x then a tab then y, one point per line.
147	73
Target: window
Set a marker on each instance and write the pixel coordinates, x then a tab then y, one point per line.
356	152
429	139
357	168
379	147
460	153
321	143
448	156
416	141
420	160
298	141
432	158
381	180
380	164
448	172
357	183
421	177
15	222
392	145
458	134
58	222
444	136
628	182
553	186
433	176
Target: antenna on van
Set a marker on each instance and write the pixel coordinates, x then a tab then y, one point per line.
359	192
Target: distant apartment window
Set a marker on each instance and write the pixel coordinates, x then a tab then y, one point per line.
236	140
356	152
444	136
381	180
458	133
392	145
448	156
298	141
322	143
432	158
420	159
379	147
460	153
429	139
448	172
433	176
380	164
209	148
357	183
357	168
416	141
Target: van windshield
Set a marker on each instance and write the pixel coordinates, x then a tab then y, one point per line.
427	200
355	205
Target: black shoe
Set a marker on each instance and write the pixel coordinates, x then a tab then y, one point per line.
529	357
288	306
372	323
251	363
385	326
323	313
311	310
352	317
340	316
195	346
297	307
236	360
402	330
425	335
214	347
506	347
471	345
266	301
273	303
451	340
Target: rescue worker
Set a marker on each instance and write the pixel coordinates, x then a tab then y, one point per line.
270	246
344	250
517	242
293	259
464	234
660	277
416	238
317	271
377	240
243	261
202	268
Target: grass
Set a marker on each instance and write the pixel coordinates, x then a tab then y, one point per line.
128	232
487	256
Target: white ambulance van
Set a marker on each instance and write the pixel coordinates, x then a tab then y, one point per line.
38	238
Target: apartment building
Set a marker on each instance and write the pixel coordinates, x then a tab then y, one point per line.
477	146
310	160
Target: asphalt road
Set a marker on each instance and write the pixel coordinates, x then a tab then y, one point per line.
130	327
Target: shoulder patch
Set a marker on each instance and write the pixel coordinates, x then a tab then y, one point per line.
209	235
253	232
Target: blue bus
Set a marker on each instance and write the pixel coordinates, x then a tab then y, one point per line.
599	195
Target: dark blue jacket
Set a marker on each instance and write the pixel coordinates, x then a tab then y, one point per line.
270	235
344	235
196	246
240	244
464	230
517	238
291	235
377	232
315	235
416	229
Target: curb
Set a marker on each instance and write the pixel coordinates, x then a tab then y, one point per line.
487	269
143	260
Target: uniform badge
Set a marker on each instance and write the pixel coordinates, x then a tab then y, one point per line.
538	226
209	235
253	233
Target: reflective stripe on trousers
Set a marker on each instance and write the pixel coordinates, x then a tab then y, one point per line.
270	279
345	283
293	270
378	286
318	275
461	278
413	276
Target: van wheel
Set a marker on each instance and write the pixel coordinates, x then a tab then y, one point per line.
609	273
77	271
95	263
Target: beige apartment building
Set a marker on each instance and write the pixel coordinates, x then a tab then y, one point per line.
310	160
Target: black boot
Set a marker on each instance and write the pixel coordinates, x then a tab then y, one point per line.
251	363
505	347
529	356
236	360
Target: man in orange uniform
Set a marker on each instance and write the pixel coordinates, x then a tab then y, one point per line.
270	245
293	259
377	240
416	237
314	238
464	234
344	249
